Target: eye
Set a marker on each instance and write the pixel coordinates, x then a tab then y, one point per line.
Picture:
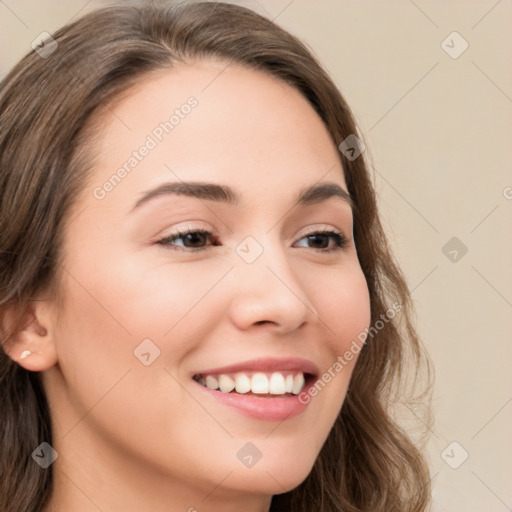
324	241
194	240
199	239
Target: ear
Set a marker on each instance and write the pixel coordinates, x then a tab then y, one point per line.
29	338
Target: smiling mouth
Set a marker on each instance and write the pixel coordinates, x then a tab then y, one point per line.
285	383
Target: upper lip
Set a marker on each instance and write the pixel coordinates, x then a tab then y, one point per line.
267	364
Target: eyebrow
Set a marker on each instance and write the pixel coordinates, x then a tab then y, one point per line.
223	194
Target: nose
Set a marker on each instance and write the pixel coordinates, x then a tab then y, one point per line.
268	293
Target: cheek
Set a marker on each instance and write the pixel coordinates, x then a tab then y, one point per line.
342	302
177	307
113	306
142	299
109	389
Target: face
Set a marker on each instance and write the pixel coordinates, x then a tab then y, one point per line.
207	259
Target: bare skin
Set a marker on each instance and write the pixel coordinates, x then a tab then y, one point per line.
133	437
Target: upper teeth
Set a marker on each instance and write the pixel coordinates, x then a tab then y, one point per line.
259	383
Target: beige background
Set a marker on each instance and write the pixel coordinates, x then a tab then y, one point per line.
439	131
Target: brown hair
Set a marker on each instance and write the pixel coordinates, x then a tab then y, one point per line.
367	463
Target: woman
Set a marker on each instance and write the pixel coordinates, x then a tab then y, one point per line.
199	307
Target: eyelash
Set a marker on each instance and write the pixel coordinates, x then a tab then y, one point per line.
340	240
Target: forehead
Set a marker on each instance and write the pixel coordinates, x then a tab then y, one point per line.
210	121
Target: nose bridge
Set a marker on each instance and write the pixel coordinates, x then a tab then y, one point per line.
268	289
268	263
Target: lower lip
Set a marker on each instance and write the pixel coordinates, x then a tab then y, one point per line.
262	408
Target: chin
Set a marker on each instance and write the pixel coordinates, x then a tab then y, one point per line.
271	478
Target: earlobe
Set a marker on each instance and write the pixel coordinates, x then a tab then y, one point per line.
29	340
